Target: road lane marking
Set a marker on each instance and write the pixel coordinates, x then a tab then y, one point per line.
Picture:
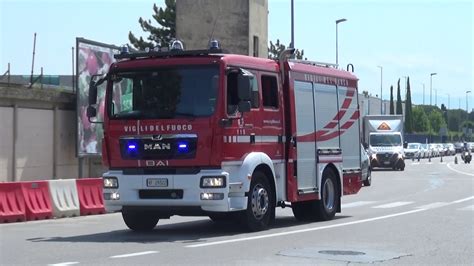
304	230
393	205
356	204
463	200
319	228
432	205
455	170
64	263
133	254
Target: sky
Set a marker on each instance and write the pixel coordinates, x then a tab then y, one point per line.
407	38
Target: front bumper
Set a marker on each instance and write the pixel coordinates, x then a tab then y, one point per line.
182	192
387	160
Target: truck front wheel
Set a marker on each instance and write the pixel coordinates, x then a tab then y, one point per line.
139	220
260	205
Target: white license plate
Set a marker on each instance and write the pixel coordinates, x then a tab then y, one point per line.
386	163
157	182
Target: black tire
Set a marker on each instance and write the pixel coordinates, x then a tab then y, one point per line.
139	220
327	206
324	209
260	205
368	181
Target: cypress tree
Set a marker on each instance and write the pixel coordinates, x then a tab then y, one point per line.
392	107
399	100
408	110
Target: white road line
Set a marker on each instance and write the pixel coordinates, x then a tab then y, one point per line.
468	208
356	204
318	228
133	254
393	204
64	263
455	170
303	230
463	200
432	205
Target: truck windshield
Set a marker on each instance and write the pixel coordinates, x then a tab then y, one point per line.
169	92
385	140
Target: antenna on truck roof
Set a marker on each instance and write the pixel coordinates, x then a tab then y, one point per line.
211	37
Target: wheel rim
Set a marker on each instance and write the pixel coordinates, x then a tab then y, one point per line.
329	195
260	201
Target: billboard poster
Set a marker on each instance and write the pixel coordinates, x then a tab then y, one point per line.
91	58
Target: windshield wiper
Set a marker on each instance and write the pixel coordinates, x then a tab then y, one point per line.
130	114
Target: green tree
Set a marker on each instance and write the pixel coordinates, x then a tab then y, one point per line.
408	110
276	48
436	121
420	120
399	100
392	107
161	35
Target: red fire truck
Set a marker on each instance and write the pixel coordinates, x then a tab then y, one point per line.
227	136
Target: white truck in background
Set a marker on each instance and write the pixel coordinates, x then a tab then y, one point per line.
383	138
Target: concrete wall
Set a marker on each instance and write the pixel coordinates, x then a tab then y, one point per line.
6	143
34	144
38	136
236	22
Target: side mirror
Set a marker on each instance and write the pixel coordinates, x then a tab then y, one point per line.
92	93
244	85
244	106
91	111
93	87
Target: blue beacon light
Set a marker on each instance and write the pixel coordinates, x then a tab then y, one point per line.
182	147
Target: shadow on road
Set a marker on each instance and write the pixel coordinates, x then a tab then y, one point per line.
184	232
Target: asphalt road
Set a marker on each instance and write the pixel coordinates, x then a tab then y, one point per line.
422	216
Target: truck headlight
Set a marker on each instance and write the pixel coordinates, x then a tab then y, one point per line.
110	182
212	182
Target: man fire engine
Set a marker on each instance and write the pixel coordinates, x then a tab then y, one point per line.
227	136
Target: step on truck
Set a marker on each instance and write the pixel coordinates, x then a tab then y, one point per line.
231	137
383	137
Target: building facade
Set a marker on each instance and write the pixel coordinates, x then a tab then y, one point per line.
240	26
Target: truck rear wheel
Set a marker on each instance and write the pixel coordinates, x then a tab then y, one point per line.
326	207
139	220
260	205
323	209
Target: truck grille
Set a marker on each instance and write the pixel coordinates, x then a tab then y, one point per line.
386	159
158	147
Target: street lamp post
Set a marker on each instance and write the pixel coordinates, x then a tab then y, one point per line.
431	85
436	97
467	102
381	98
292	44
423	93
337	22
